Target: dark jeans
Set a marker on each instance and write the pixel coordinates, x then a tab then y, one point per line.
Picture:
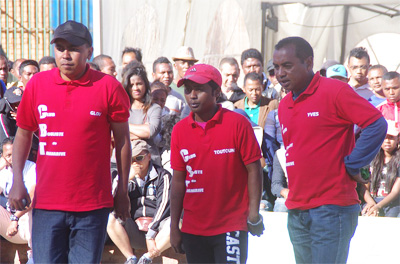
322	234
68	237
229	247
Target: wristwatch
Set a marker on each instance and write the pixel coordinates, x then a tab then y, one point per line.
14	218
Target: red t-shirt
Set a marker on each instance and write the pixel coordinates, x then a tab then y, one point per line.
318	133
73	118
215	158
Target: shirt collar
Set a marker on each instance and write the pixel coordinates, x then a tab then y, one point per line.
215	119
84	80
246	105
310	89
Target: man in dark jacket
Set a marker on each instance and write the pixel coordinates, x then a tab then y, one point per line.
149	193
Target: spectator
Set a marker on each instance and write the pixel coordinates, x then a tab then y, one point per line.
27	69
230	71
159	94
272	77
8	122
149	193
162	71
272	126
207	172
375	74
381	194
131	54
15	72
145	117
322	162
183	60
93	66
16	226
358	66
338	72
47	63
166	131
279	185
391	89
252	61
254	104
3	74
326	65
106	64
75	109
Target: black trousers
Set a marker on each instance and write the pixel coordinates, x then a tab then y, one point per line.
229	247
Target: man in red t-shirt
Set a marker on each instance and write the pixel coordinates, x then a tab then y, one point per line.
75	109
217	178
323	164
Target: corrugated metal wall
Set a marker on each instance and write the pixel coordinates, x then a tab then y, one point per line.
27	26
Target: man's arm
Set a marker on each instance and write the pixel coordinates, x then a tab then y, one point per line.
123	154
367	146
255	183
178	189
21	147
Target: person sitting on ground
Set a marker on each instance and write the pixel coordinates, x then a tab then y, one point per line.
254	104
375	74
47	63
149	194
381	194
338	72
15	226
145	117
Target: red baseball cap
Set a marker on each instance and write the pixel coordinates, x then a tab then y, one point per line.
201	74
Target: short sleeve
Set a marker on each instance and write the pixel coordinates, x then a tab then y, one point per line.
26	118
354	108
119	105
177	162
249	148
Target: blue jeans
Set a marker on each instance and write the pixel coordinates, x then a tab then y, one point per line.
322	234
68	237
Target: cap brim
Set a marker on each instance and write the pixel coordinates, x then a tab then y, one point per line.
75	41
186	59
194	78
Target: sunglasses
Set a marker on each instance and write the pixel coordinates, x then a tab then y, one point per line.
138	157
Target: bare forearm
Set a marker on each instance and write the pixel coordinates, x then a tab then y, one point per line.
141	131
254	188
178	190
21	147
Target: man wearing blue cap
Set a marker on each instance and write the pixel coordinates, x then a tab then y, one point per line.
74	108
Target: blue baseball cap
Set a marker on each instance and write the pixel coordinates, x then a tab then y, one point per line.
336	70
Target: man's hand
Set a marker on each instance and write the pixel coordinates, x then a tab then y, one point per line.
12	229
152	248
18	197
176	240
359	179
285	193
122	205
255	226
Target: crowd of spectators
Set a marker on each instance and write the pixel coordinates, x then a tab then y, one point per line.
157	105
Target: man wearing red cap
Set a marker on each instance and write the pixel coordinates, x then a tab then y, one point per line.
217	178
74	108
